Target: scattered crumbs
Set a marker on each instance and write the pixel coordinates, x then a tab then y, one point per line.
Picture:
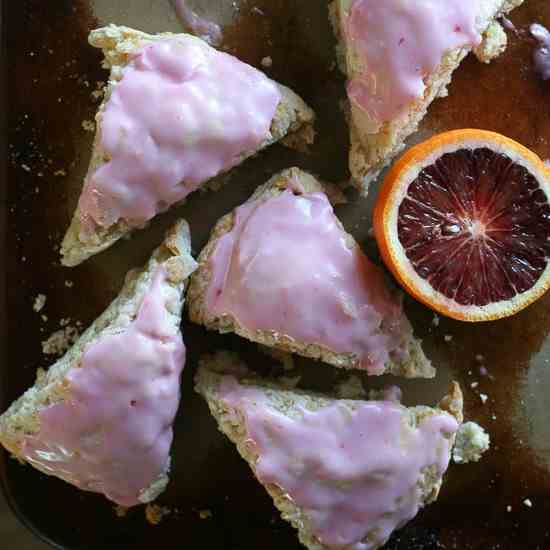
155	513
479	358
508	508
469	373
60	341
289	382
44	318
267	62
120	511
448	337
472	441
39	302
88	125
350	387
286	359
64	321
494	417
60	173
474	385
435	320
205	514
69	284
25	167
483	397
528	503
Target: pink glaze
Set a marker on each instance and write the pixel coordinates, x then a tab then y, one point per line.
353	473
541	56
399	43
203	28
285	267
182	113
113	435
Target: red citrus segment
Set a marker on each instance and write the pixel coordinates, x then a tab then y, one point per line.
463	222
476	226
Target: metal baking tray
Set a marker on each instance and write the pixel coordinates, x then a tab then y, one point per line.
51	72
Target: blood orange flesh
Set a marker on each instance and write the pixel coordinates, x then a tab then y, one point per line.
476	226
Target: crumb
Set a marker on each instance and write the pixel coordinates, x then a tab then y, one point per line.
448	337
267	62
120	511
60	341
528	503
60	173
25	167
435	320
483	397
508	508
39	302
289	382
471	442
88	125
205	514
286	359
155	513
494	417
44	318
69	284
479	358
350	387
474	385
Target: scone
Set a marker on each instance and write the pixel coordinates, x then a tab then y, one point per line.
101	417
399	56
176	113
345	473
281	270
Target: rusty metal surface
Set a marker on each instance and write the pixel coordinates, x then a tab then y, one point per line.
51	74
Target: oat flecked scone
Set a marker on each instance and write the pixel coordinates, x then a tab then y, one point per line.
101	416
412	363
375	143
337	487
293	119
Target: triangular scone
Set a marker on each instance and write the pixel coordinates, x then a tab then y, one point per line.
345	473
399	57
101	417
176	113
281	270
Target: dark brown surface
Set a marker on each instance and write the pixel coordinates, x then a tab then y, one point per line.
52	73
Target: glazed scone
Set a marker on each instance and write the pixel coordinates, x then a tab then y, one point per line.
399	57
345	473
101	417
281	270
176	113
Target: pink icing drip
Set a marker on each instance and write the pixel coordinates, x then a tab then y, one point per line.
541	56
182	113
352	472
400	43
203	28
285	266
114	434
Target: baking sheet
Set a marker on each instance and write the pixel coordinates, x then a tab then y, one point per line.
52	74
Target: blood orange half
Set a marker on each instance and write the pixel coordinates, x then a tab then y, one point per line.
463	222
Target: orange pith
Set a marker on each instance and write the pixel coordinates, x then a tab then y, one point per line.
391	196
